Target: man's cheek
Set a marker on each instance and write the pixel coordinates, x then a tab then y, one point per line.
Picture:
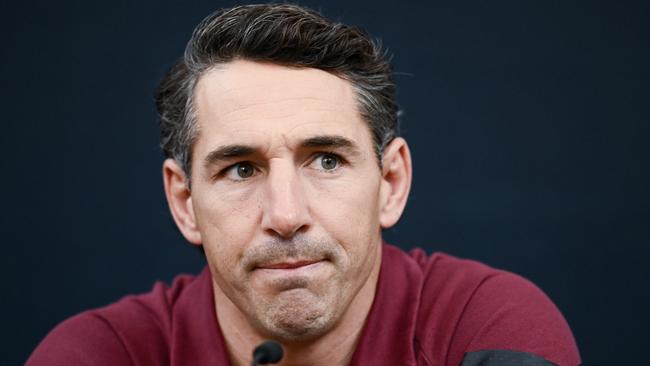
232	218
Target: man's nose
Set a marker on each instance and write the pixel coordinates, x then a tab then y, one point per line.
286	210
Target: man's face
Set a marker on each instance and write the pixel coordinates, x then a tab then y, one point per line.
286	194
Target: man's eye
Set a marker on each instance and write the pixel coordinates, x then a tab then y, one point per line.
327	162
240	171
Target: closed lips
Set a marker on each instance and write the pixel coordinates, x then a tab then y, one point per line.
289	265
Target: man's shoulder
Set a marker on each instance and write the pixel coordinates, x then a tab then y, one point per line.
444	276
466	306
443	267
117	333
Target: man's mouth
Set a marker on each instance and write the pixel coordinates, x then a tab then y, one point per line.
288	264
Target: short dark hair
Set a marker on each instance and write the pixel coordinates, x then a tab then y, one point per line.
283	34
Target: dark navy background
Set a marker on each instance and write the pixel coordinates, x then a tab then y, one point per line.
529	124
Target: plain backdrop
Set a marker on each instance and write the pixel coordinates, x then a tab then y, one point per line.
528	123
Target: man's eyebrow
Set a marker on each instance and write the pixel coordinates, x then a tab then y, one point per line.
228	152
331	142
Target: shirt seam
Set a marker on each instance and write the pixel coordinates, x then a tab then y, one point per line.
422	352
114	331
154	316
465	306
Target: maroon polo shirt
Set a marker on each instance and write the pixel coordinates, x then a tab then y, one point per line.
428	310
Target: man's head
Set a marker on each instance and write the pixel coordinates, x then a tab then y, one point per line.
285	35
287	198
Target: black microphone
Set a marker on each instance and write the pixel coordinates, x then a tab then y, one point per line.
267	352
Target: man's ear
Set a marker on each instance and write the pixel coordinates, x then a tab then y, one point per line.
179	198
396	181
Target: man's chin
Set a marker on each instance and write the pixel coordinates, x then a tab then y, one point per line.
297	315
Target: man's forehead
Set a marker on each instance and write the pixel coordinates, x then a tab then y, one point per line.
251	103
242	84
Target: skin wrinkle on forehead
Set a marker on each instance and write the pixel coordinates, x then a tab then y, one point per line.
317	116
239	104
244	84
248	112
239	96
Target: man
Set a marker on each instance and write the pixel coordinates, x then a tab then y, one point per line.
284	164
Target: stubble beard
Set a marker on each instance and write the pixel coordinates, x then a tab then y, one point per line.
299	312
297	317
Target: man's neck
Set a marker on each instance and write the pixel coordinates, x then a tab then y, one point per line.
334	348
